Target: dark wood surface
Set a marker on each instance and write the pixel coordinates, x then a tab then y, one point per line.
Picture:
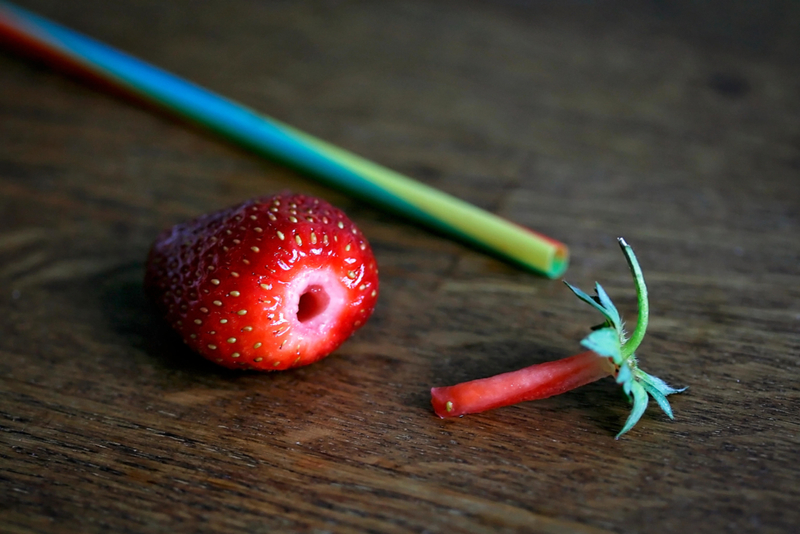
673	125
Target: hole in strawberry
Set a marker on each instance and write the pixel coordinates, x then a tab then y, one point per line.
312	302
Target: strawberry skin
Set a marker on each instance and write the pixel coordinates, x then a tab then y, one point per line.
273	283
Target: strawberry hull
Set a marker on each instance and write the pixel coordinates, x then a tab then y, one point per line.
270	284
531	383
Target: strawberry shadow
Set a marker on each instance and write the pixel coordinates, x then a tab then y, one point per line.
135	323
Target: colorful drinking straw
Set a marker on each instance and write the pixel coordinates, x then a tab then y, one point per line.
333	166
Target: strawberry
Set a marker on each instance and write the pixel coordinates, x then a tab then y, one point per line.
269	284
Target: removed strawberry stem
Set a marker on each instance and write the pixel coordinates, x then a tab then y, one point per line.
637	336
610	353
531	383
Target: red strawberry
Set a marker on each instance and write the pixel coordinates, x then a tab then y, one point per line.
273	283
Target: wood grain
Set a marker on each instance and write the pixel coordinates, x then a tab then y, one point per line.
666	125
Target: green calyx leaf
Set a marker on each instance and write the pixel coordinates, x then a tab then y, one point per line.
611	311
658	389
605	342
625	378
608	340
639	406
601	303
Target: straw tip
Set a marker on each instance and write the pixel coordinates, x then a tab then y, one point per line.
559	262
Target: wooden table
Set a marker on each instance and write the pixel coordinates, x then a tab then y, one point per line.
672	125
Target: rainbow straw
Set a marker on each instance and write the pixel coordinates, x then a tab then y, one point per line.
335	167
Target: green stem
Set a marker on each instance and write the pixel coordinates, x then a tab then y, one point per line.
641	295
